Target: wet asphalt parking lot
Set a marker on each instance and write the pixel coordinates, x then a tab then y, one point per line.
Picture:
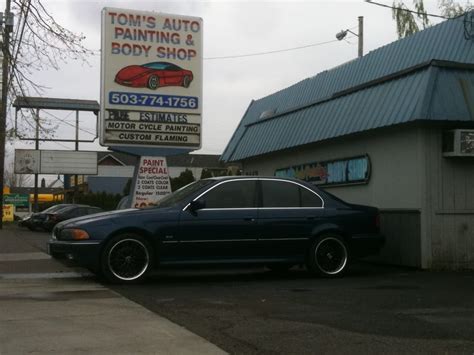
373	309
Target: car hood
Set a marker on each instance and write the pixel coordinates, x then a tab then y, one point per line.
133	72
114	217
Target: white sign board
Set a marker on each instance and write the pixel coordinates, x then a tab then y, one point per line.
152	182
151	79
27	161
55	162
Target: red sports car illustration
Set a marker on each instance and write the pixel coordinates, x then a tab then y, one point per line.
153	75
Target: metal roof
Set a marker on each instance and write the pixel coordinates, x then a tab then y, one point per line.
48	103
414	78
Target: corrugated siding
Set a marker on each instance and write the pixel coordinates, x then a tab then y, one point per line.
442	42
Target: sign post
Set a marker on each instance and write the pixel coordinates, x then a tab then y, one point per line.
151	80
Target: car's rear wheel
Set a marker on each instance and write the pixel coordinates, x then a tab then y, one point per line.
186	81
153	82
328	256
127	258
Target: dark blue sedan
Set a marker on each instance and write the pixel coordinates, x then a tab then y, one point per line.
273	221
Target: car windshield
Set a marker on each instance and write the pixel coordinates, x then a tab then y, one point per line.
183	193
157	65
64	209
55	208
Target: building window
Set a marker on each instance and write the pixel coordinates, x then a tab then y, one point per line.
354	170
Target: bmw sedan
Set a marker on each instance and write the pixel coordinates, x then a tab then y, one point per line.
266	220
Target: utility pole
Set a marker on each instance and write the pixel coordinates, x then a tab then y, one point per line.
76	180
35	201
343	33
7	28
361	36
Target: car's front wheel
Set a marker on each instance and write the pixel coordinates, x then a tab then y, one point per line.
127	258
328	256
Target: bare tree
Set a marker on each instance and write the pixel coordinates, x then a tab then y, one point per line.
39	42
15	180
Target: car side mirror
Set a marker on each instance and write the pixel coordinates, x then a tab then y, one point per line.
196	205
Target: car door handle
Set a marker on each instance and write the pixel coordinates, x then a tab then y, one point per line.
249	219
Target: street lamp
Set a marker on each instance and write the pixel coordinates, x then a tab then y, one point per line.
343	33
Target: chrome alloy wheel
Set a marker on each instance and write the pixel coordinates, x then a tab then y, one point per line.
330	255
128	259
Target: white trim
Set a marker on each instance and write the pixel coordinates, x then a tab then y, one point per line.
249	208
110	155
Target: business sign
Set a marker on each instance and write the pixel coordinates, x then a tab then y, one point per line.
152	182
18	200
151	79
55	162
354	170
8	214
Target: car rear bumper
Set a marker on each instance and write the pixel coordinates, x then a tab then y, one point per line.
86	254
366	244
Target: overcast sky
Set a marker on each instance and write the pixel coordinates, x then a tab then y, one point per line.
230	28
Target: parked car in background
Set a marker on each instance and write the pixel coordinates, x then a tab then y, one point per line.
35	220
68	212
273	221
124	203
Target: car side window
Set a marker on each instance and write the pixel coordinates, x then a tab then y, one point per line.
73	212
285	194
232	194
280	194
310	199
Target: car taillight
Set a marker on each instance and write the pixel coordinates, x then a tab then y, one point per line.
377	220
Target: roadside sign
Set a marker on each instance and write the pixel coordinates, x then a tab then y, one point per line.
18	200
152	182
151	79
28	161
8	213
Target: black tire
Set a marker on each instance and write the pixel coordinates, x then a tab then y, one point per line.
328	256
279	267
127	258
153	82
186	81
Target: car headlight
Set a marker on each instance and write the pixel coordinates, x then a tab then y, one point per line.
73	234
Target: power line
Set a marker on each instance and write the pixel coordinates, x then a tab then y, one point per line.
408	10
67	123
260	53
271	52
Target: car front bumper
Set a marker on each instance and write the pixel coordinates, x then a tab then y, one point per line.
86	254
